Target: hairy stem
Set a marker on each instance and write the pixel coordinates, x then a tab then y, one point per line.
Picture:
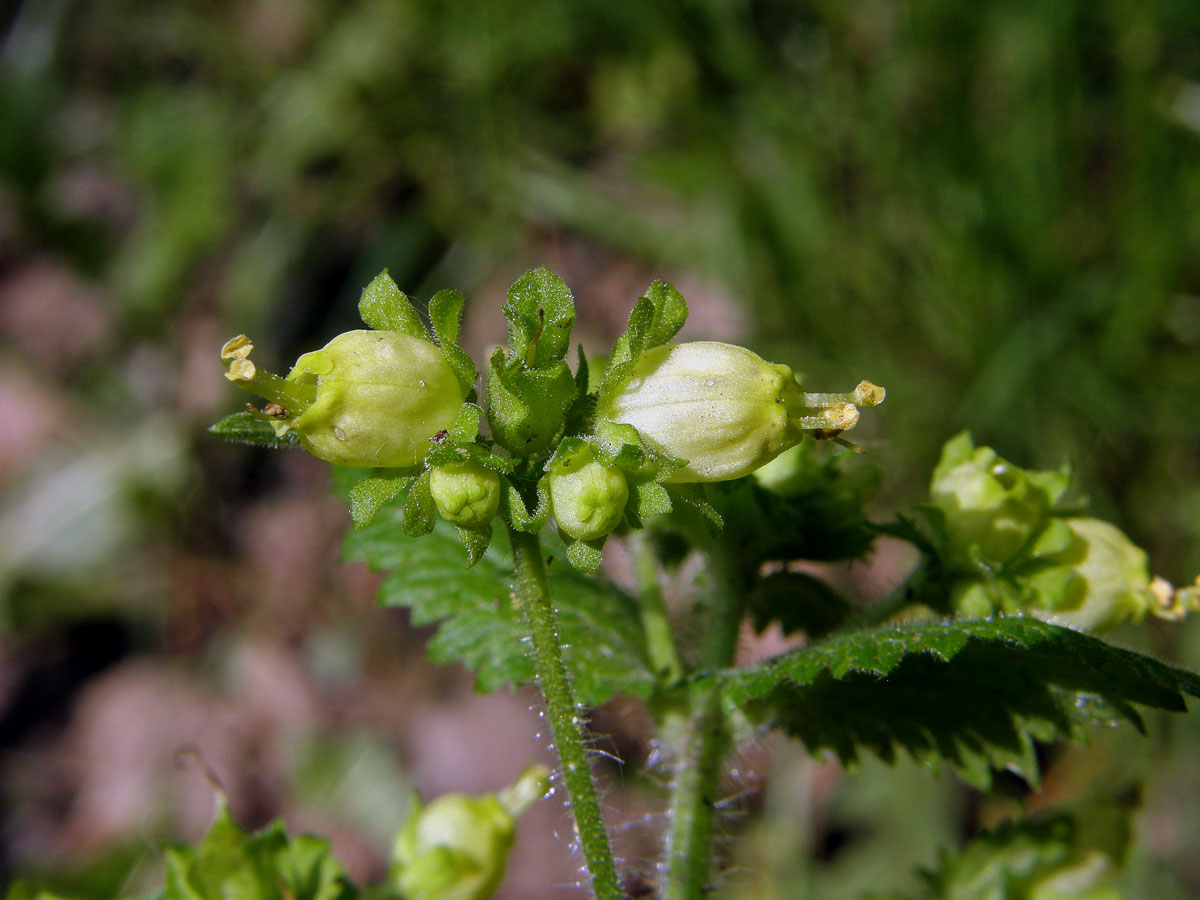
704	741
533	595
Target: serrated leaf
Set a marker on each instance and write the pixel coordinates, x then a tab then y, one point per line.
445	314
798	602
478	625
975	693
420	512
247	429
817	514
384	307
369	493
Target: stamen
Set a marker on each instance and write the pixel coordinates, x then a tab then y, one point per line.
283	395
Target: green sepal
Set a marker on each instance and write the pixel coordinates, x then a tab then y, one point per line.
247	428
540	312
445	315
649	499
526	408
476	540
653	321
384	307
694	498
579	417
466	426
369	493
514	511
420	512
1057	537
798	602
585	556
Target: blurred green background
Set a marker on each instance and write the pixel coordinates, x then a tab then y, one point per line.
991	208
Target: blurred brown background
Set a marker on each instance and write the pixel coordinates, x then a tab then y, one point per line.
993	209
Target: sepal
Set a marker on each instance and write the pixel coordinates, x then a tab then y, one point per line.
384	307
445	315
420	512
368	494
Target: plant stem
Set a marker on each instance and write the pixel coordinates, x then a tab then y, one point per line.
660	642
533	595
704	742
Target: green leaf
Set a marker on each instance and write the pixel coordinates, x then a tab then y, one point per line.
694	498
445	314
798	602
420	512
369	493
815	514
540	312
975	693
384	307
1072	852
478	625
246	429
267	865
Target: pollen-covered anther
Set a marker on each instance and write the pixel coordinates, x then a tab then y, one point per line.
841	416
239	347
868	394
241	369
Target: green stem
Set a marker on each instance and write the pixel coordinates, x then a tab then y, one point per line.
533	595
704	742
660	642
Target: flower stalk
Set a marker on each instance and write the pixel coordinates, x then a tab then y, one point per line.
531	593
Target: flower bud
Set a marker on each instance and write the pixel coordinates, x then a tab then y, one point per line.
366	399
722	408
988	502
1116	574
586	499
465	493
456	848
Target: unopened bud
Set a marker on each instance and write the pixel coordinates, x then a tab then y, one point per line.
587	499
465	493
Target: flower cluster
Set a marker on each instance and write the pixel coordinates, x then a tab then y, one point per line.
1009	545
398	399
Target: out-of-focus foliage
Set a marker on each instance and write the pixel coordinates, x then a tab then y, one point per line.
992	208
